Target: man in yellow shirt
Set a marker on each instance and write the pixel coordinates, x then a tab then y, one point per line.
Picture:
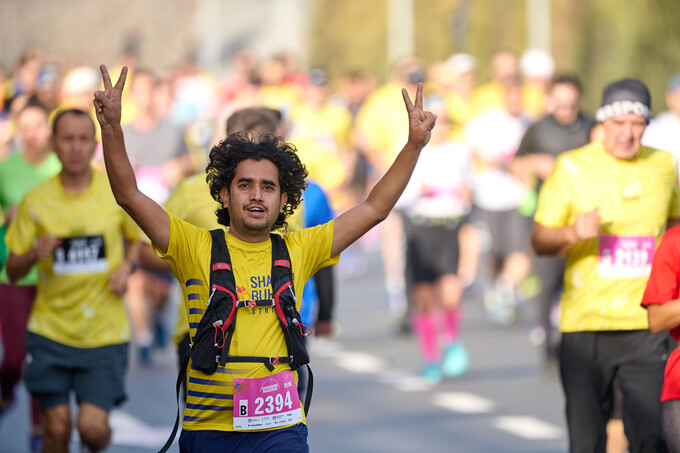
78	329
605	206
258	184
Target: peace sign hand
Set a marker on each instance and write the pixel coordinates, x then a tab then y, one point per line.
420	122
107	103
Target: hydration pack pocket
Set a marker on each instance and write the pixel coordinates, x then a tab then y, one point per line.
294	332
212	332
297	346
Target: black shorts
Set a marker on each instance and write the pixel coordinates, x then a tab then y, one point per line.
432	248
510	231
96	375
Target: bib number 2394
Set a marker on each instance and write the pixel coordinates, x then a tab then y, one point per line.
266	402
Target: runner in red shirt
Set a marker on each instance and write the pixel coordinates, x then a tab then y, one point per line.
663	312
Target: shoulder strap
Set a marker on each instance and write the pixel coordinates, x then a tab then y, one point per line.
220	260
221	274
178	386
282	280
282	270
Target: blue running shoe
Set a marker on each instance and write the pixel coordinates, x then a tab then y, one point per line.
432	373
456	360
502	304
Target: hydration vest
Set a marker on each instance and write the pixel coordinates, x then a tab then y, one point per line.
210	346
213	335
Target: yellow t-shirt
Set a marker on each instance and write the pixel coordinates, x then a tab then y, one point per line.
74	305
191	201
257	331
321	137
281	97
459	111
382	122
603	281
488	96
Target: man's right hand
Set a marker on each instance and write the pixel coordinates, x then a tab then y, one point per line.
107	103
587	225
45	246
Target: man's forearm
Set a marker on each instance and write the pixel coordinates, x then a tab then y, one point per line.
664	317
118	167
387	191
552	241
19	265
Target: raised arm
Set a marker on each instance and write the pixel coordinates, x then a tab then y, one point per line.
354	223
150	217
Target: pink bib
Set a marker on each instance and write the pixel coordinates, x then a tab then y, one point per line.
626	256
266	402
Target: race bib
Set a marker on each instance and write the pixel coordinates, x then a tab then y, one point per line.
266	402
75	255
626	256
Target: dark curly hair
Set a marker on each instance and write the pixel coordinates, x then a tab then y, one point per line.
237	147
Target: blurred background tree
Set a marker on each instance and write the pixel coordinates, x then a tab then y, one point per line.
599	41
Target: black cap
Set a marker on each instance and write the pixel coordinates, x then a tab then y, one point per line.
625	96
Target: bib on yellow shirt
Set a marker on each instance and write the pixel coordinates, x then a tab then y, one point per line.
74	305
209	404
605	277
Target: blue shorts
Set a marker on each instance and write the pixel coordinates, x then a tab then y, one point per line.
285	440
96	375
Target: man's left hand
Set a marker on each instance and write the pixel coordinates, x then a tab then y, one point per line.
119	280
420	122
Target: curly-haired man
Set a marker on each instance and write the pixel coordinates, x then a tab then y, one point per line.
257	184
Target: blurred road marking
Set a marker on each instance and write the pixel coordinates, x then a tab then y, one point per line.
131	431
528	427
322	347
404	381
360	362
465	403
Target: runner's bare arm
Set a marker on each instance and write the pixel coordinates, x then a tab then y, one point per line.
556	241
19	265
354	223
151	218
663	317
118	282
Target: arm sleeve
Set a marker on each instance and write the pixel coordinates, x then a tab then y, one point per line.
325	289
